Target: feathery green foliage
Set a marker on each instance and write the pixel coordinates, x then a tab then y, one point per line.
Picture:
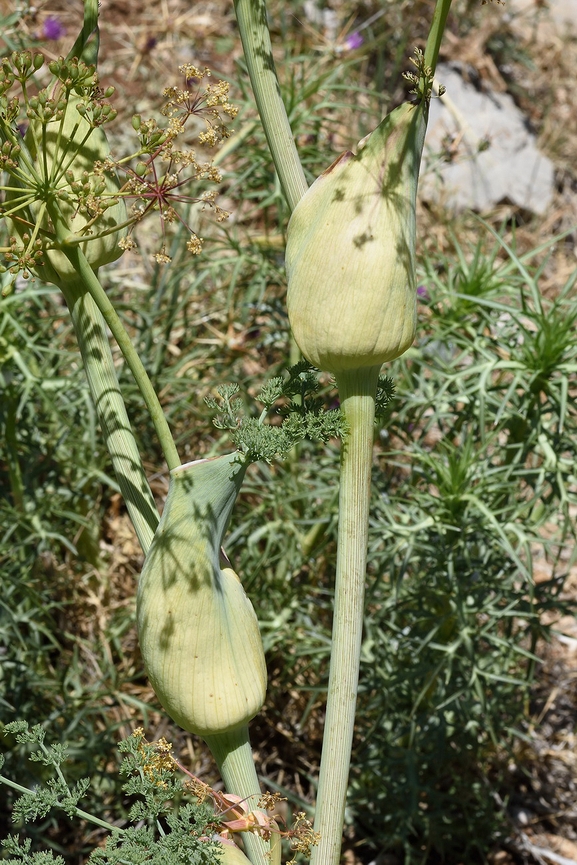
303	415
167	829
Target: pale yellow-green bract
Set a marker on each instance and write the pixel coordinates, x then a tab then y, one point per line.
71	146
350	255
231	855
198	632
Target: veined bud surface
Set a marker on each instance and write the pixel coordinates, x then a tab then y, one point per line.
198	631
350	255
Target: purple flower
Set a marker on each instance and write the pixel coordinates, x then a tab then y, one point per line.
423	293
52	29
354	41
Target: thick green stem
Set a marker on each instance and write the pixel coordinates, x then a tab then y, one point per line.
92	285
233	756
83	47
254	33
99	366
436	33
357	389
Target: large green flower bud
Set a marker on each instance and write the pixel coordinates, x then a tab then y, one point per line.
64	154
198	632
350	253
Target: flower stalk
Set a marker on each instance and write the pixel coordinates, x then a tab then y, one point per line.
357	390
233	755
351	264
197	629
67	213
67	216
255	36
436	31
39	209
352	306
92	285
119	439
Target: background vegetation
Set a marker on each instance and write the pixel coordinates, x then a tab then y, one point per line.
474	474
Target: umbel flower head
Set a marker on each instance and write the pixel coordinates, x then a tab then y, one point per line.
350	255
158	180
52	189
62	186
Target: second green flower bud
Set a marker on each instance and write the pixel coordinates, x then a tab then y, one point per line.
350	253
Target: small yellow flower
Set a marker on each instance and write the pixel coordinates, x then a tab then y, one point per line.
194	245
126	243
269	801
161	257
210	137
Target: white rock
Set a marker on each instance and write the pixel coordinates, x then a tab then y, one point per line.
563	13
492	155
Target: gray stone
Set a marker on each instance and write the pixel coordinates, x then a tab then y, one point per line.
479	151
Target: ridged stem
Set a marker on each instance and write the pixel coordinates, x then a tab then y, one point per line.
91	284
119	438
233	755
357	389
255	36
